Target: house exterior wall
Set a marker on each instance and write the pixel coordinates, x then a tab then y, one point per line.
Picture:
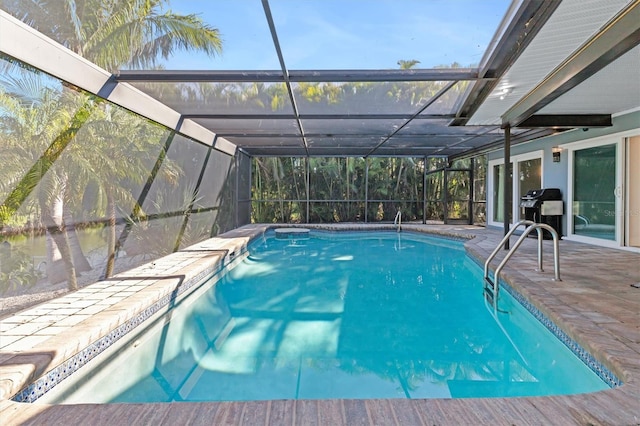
556	175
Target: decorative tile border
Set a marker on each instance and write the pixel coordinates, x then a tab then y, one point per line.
333	229
419	229
596	366
45	383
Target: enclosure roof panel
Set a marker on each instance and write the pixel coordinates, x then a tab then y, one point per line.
329	77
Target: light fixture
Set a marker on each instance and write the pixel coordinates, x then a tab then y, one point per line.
556	150
505	92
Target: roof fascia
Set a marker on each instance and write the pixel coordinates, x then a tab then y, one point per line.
618	36
519	28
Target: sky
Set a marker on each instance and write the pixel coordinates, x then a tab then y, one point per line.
344	34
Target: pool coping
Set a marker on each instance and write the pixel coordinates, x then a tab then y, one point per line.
160	280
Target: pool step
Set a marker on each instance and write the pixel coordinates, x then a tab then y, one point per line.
296	233
489	290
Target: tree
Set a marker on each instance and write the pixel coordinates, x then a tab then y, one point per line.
38	124
111	34
113	155
408	64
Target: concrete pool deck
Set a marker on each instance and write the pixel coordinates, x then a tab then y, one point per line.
595	304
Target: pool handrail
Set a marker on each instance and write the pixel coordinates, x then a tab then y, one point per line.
398	221
531	225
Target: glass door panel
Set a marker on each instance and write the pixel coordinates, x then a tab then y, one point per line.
632	212
594	199
529	177
498	192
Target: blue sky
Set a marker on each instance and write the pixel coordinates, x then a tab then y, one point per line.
345	34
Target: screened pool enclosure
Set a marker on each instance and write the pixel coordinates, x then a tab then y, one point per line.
132	129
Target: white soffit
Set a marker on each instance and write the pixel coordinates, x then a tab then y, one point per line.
613	89
19	40
573	22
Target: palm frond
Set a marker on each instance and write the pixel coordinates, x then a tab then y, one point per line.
139	38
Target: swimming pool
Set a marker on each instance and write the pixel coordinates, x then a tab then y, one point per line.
348	315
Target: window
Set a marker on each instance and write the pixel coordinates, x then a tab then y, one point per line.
527	176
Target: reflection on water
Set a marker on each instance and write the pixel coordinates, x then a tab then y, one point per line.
343	319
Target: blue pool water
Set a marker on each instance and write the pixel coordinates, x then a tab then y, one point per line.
345	315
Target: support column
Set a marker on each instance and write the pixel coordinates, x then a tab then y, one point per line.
366	189
506	179
424	190
445	193
472	190
307	172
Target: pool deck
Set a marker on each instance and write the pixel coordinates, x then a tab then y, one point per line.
595	304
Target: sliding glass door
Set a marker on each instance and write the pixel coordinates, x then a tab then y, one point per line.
604	190
594	192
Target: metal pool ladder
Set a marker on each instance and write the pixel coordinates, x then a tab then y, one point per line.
492	286
398	221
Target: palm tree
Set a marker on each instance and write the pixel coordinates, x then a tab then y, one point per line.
36	128
112	155
115	33
407	64
111	34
